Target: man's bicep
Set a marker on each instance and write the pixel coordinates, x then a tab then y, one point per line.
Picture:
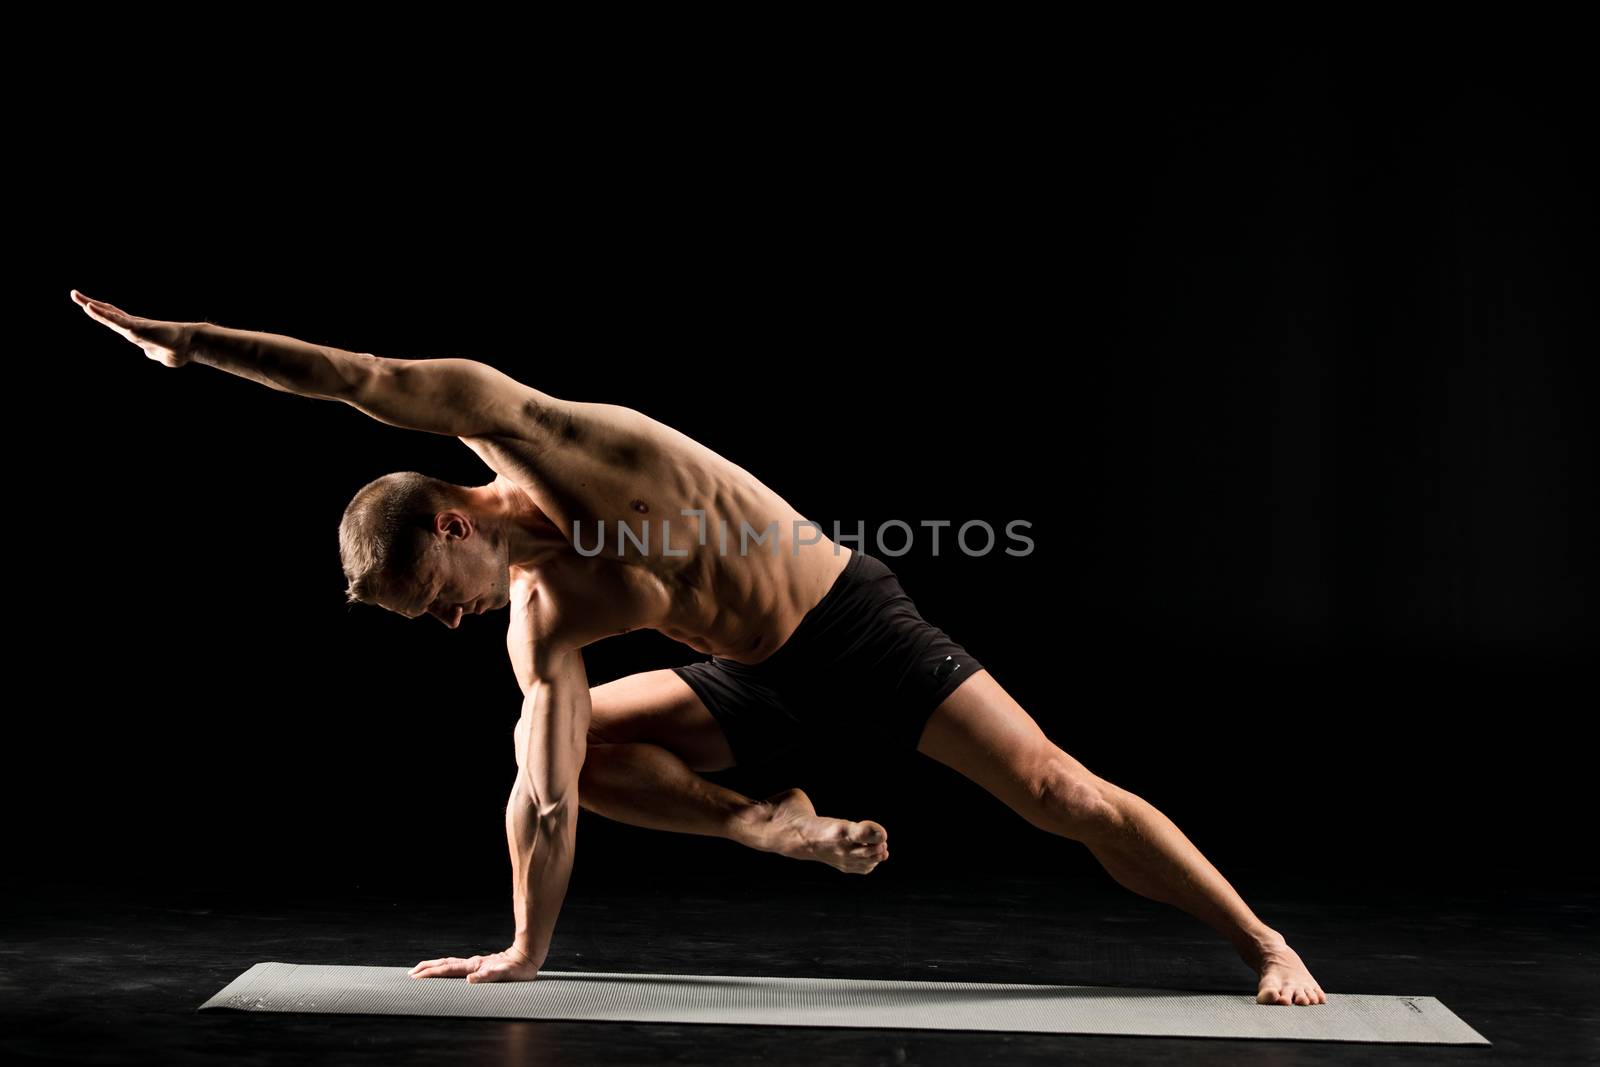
552	736
450	396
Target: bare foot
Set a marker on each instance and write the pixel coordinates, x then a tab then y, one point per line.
1284	978
798	832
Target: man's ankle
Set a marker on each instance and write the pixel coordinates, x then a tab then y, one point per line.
752	825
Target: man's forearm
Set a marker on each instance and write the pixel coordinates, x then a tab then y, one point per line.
284	363
542	850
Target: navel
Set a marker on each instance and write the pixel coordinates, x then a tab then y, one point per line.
640	506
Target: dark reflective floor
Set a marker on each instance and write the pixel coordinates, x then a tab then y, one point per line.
116	977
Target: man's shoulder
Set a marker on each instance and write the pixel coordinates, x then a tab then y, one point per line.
576	600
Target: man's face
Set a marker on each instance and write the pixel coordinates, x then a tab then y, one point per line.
457	579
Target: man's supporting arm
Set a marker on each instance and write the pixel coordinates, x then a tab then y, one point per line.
551	741
542	814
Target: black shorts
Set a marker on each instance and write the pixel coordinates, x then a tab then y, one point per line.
863	667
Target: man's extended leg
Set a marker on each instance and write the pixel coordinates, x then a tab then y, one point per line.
648	735
980	731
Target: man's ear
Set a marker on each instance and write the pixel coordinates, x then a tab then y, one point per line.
452	524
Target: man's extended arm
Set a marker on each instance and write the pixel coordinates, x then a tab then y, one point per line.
456	397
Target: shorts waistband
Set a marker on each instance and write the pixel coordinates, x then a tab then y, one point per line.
840	588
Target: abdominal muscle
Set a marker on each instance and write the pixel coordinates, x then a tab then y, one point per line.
741	608
761	599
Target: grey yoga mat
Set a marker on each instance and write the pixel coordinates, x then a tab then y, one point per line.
696	998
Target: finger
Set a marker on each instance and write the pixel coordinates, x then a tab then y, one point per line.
80	298
449	967
112	312
489	972
98	314
104	303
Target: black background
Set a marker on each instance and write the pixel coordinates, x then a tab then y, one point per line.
1286	356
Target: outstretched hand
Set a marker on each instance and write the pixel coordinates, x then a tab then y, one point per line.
507	966
166	342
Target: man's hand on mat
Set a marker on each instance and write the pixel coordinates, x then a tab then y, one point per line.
511	965
165	342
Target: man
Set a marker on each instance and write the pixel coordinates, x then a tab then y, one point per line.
797	627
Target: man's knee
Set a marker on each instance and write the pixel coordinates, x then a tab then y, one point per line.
1070	800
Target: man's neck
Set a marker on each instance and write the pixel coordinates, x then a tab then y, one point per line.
532	537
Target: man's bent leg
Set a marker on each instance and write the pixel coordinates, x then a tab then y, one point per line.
648	734
647	785
980	731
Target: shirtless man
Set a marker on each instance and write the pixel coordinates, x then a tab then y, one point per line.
783	620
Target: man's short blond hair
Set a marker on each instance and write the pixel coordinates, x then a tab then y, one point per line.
387	528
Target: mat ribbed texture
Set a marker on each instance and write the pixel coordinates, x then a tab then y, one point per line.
691	998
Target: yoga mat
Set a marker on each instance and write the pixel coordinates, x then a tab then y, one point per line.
692	998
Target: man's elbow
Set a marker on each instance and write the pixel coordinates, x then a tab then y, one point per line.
557	801
354	377
560	807
547	800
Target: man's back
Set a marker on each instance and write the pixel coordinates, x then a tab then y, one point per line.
717	559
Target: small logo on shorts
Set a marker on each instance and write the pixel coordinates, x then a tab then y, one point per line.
946	668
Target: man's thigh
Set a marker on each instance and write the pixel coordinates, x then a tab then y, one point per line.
658	708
